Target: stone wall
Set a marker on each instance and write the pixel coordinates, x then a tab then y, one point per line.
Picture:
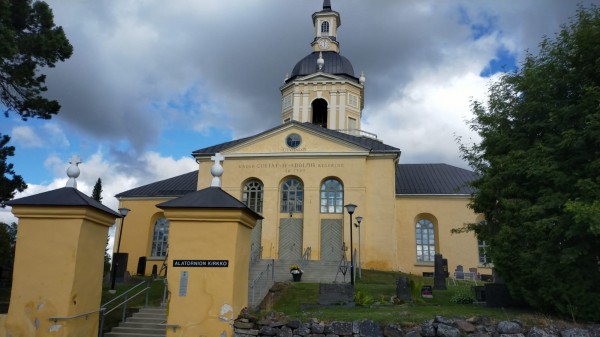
280	326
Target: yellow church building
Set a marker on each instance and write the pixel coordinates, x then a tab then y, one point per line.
300	174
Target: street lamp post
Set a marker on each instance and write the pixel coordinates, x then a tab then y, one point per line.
350	208
115	265
359	219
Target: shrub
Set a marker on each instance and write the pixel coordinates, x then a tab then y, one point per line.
362	299
462	295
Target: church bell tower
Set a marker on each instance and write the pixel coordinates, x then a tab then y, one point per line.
322	88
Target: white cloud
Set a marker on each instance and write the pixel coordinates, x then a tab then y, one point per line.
25	136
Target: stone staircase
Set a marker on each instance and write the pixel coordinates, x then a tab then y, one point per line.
314	271
146	322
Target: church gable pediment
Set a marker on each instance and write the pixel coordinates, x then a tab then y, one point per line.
294	140
320	77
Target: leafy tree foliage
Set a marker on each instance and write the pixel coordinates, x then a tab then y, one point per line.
97	192
10	182
539	168
29	40
8	239
97	195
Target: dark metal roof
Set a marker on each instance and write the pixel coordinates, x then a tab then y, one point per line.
66	196
335	64
370	144
326	5
212	197
172	187
442	179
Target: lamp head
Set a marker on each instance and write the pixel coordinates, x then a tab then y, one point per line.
124	211
359	219
350	208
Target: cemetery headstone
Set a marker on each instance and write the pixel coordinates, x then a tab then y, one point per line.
403	289
439	276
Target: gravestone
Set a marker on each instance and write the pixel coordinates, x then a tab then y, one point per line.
336	293
403	289
427	291
121	265
439	276
141	267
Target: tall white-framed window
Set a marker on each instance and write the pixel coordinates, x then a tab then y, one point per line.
332	196
292	196
425	237
325	28
483	249
252	195
160	238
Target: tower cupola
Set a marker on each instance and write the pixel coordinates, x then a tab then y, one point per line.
322	88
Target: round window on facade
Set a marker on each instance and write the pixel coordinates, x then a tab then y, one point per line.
293	140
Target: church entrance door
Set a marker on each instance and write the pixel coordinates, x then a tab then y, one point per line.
290	239
331	239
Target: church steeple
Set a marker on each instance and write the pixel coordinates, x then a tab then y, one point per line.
326	23
322	88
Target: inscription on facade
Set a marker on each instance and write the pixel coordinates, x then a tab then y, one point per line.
200	263
297	167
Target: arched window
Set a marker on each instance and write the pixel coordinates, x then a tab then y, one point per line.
425	241
325	27
332	196
292	196
252	195
160	238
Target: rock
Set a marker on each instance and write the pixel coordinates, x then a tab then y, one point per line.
267	331
427	329
316	335
243	324
285	332
392	330
444	320
247	332
480	334
369	328
341	328
575	332
539	332
444	330
294	324
511	335
303	330
317	328
413	333
464	326
355	327
508	327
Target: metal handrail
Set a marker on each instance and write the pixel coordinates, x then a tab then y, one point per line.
305	256
63	318
270	266
104	311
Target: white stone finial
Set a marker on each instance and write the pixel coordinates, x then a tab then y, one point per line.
362	78
287	77
216	170
73	171
320	61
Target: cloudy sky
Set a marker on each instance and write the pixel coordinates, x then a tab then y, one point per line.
151	81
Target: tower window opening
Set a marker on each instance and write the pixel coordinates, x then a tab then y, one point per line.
319	112
325	28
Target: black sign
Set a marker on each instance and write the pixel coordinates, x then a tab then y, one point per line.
200	263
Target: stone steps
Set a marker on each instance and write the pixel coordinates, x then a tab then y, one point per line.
146	322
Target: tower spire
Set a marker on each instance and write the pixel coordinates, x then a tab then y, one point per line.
326	5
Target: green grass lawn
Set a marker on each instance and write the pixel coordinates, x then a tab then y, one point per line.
300	300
